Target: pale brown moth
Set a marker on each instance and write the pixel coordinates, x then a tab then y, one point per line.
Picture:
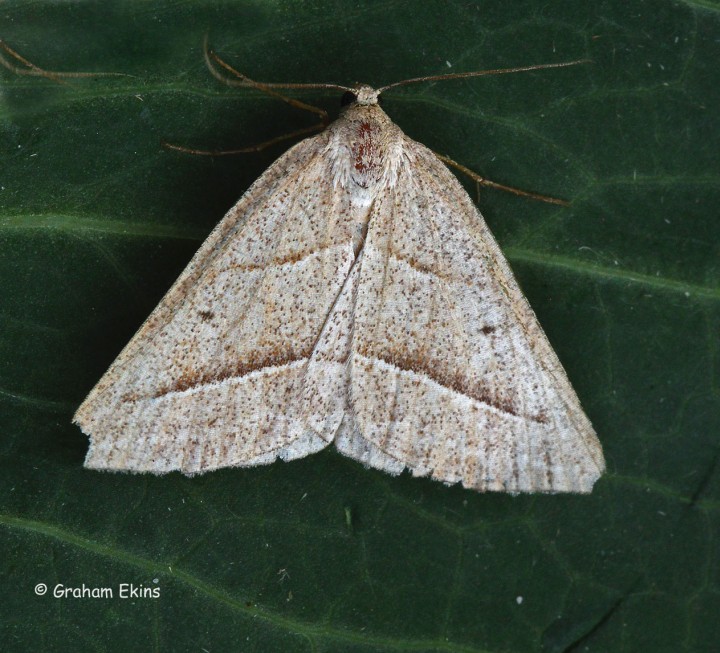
355	296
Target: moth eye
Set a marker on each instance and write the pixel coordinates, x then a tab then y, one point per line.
380	100
348	98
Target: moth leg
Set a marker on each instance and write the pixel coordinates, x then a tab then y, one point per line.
29	68
211	59
250	148
481	181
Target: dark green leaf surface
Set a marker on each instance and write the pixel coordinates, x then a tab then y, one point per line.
322	555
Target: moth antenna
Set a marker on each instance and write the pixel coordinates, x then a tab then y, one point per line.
481	73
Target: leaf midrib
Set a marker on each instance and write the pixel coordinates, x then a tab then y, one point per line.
293	626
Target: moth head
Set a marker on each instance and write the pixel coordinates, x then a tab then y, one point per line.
361	94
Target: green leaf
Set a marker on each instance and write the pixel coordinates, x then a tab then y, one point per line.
323	555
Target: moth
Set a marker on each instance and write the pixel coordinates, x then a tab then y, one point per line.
354	296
